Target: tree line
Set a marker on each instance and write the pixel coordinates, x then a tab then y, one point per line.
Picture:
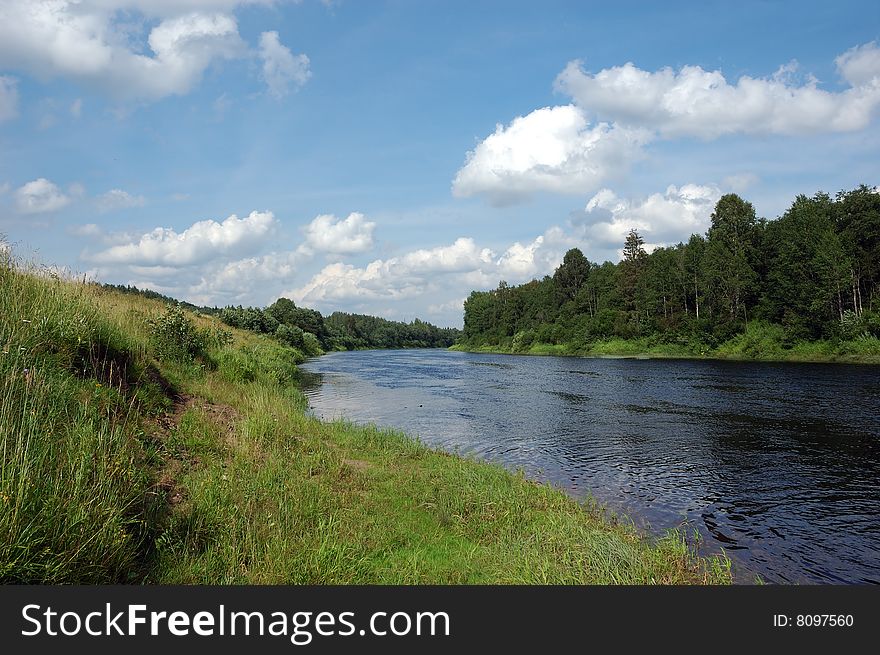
310	332
814	272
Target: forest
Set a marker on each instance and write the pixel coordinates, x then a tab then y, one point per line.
810	276
310	332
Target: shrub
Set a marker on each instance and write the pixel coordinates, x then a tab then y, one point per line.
216	337
522	340
290	335
311	345
175	337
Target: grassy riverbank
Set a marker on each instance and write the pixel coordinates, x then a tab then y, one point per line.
759	342
146	445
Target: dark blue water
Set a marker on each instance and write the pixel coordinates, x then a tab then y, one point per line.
779	464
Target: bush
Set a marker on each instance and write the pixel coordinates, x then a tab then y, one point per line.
290	335
311	345
522	340
216	338
175	337
872	323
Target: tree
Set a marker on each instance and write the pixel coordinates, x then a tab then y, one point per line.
809	269
693	265
858	224
571	275
632	277
730	254
283	310
662	282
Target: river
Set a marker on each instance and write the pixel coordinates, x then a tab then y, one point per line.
778	464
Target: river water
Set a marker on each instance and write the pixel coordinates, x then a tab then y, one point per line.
779	464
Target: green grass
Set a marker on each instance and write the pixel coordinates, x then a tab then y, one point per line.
121	466
760	341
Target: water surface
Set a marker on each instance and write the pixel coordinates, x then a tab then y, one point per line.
779	464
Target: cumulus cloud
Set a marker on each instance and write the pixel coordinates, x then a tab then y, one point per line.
456	305
101	42
210	262
198	243
118	199
164	8
860	66
281	68
237	281
661	218
8	98
462	255
40	196
617	112
522	262
331	235
550	149
696	102
432	272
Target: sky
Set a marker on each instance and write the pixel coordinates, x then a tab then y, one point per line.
390	157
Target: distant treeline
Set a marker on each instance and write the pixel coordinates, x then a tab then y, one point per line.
308	331
354	331
813	273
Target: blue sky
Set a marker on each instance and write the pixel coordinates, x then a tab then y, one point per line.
389	157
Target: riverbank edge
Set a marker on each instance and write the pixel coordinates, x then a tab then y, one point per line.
208	470
658	352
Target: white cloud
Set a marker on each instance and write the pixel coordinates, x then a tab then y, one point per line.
860	66
76	108
433	272
210	262
237	281
8	98
450	306
739	182
99	42
118	199
577	148
40	196
165	8
339	281
197	244
462	255
523	262
281	68
696	102
661	218
328	234
89	230
550	149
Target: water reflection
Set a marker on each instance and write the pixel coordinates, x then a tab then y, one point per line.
776	463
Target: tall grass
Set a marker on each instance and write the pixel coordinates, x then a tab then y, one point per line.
73	490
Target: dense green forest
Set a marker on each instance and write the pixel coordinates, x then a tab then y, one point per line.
311	333
308	331
749	286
